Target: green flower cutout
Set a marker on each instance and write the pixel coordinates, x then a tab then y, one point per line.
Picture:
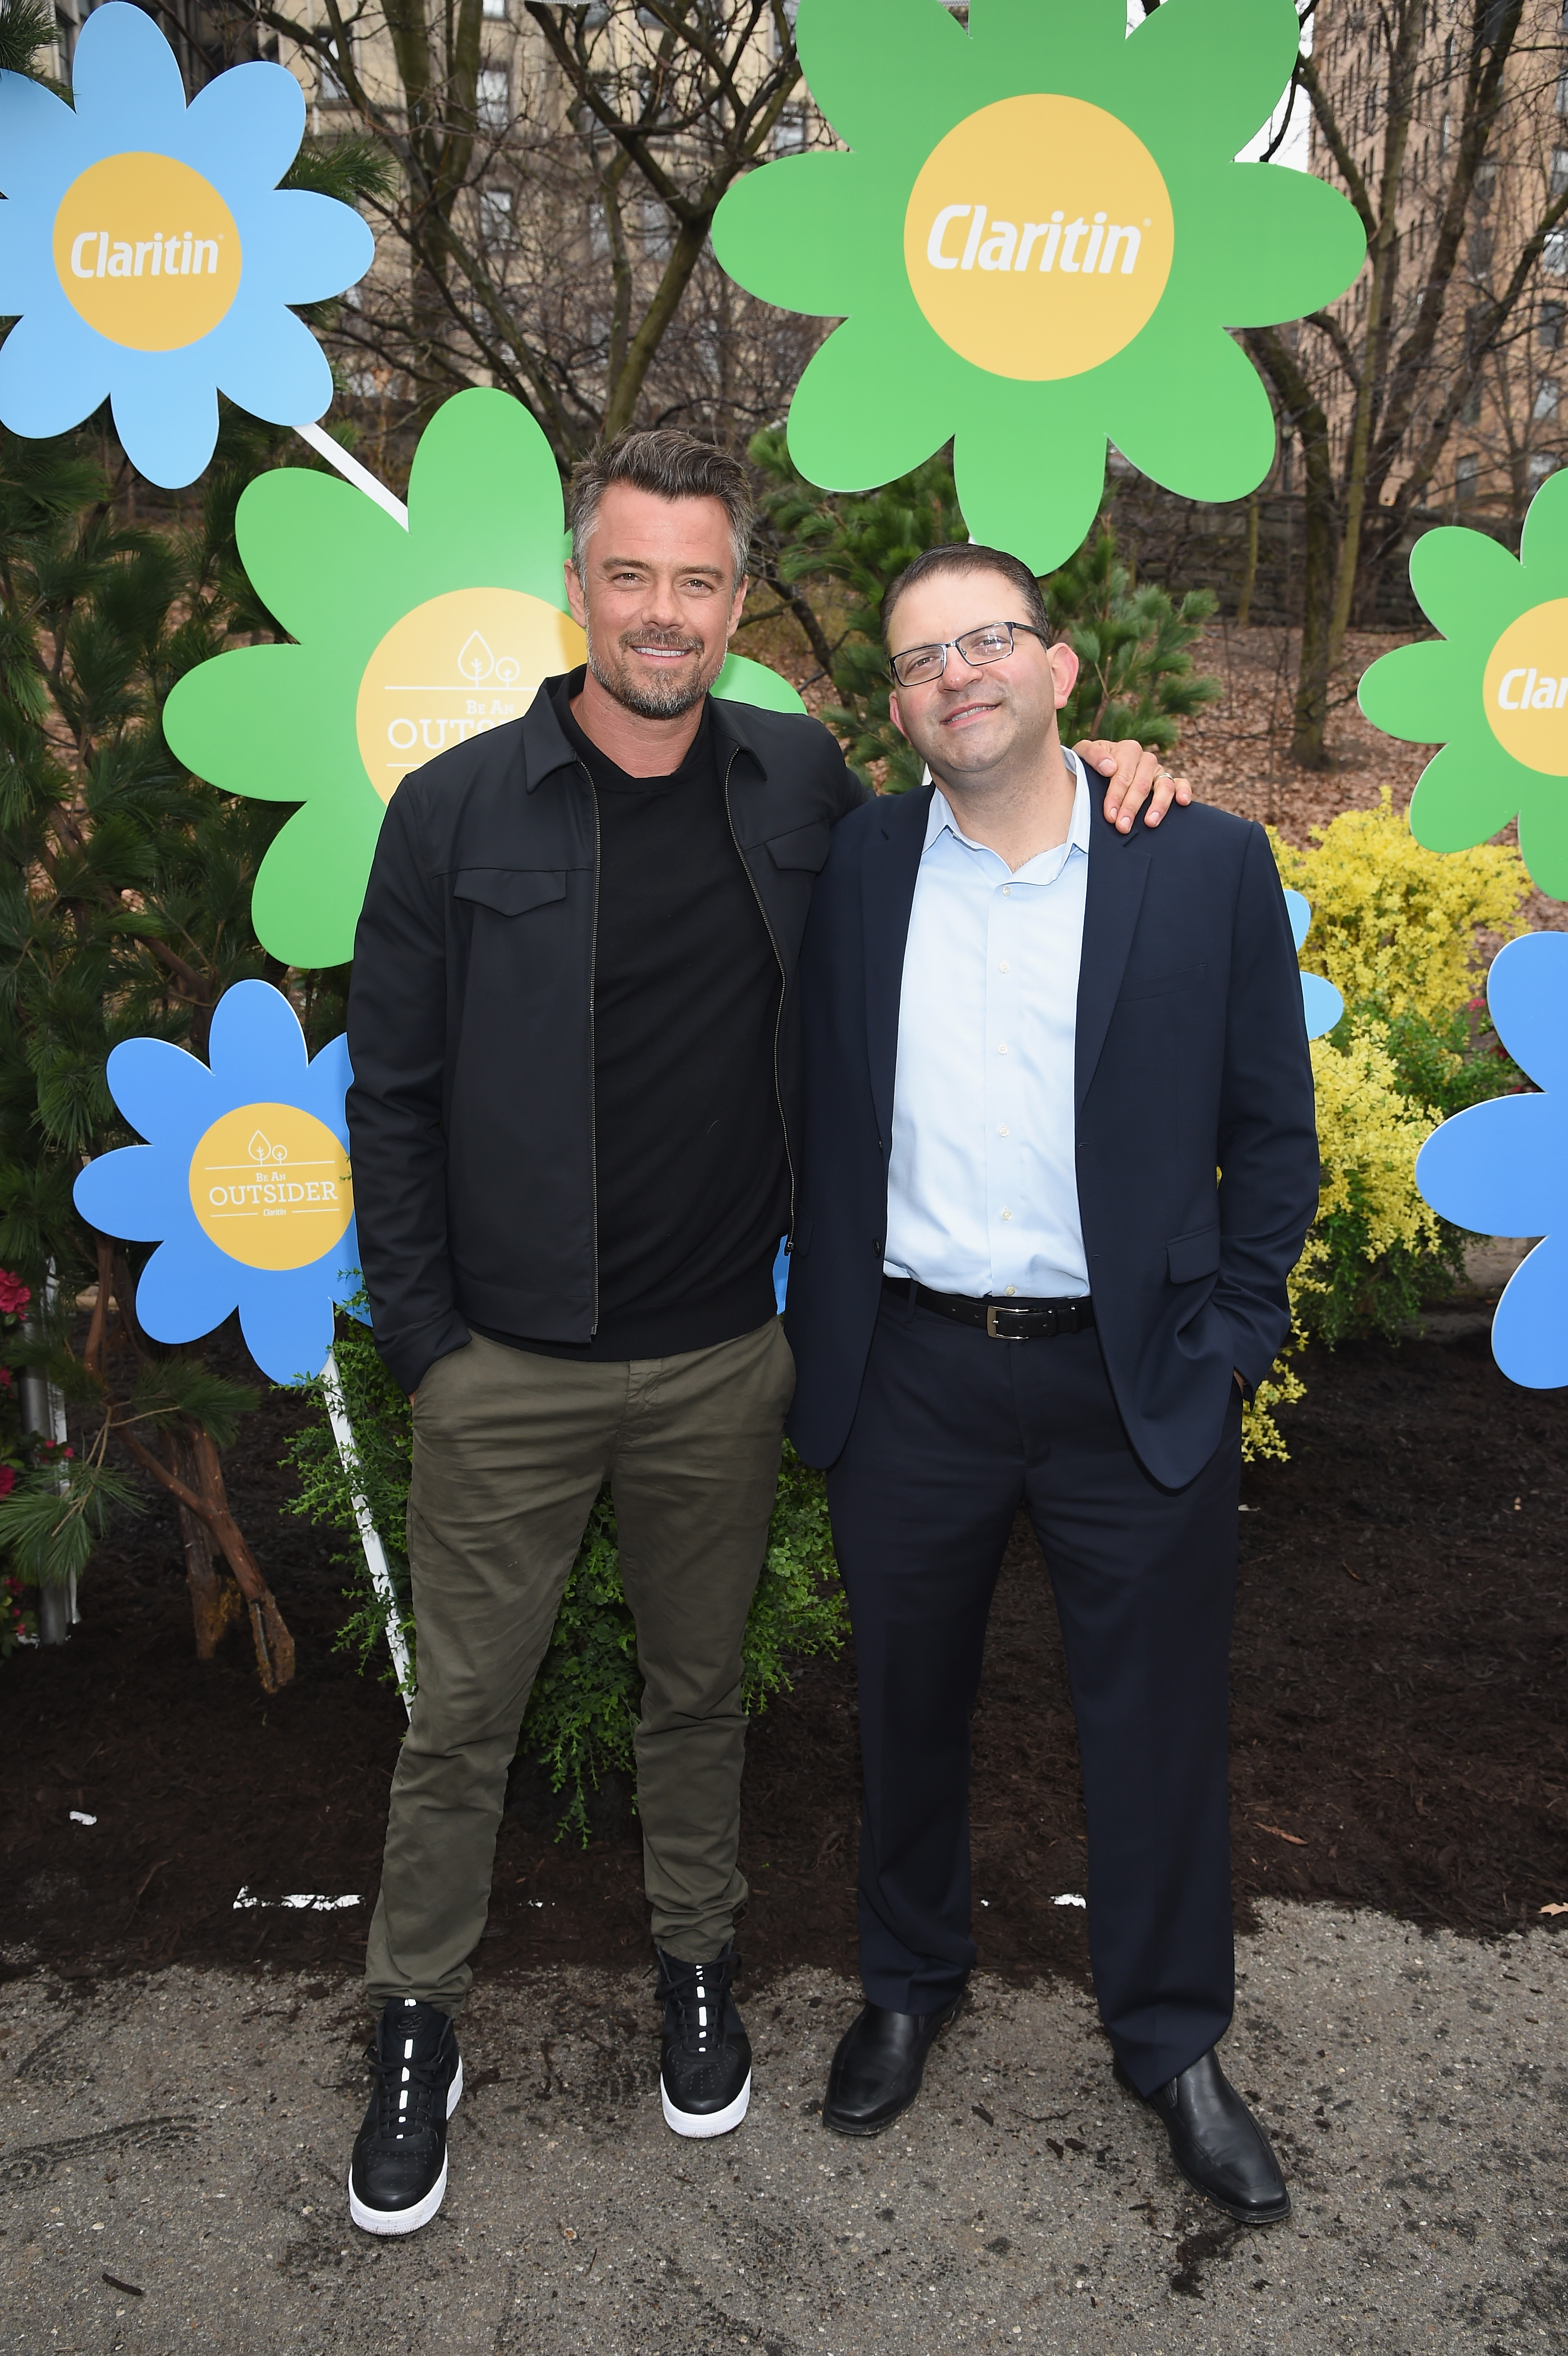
407	642
1492	691
1037	239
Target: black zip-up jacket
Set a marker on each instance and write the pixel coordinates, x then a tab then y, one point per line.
471	1017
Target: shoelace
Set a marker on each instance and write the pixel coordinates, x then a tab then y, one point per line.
700	1993
408	2091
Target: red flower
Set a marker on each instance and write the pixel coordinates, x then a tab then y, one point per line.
4	1378
14	1294
7	1483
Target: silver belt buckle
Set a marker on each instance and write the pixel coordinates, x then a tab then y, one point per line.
995	1309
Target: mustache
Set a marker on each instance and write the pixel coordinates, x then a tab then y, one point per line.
670	641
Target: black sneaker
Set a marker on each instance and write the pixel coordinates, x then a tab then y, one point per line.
705	2066
397	2179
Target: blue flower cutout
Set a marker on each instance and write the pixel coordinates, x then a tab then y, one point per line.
1501	1168
1321	1002
245	1185
150	252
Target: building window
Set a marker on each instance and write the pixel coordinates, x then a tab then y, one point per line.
1446	135
790	131
1558	170
1554	254
1487	181
1541	464
1549	326
495	8
1467	476
493	97
329	88
1370	110
1546	397
1480	251
496	217
1471	412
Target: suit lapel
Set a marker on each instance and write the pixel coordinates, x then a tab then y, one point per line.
1118	871
887	888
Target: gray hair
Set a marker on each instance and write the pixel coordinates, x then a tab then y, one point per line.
672	465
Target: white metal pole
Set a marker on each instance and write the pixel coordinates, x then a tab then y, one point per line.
370	1536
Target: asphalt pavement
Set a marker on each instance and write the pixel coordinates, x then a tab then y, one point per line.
173	2147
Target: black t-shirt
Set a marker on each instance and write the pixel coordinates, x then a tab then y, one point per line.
691	1174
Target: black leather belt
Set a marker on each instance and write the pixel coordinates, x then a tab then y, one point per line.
1004	1320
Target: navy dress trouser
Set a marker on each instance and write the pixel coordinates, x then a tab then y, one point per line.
952	1432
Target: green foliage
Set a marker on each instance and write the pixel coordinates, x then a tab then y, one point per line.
840	552
26	28
583	1713
56	1515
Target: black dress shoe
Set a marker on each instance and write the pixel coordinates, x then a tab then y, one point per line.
1217	2142
877	2068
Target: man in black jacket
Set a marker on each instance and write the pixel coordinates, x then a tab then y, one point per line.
1006	1009
574	1081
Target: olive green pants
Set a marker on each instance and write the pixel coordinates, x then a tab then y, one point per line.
510	1451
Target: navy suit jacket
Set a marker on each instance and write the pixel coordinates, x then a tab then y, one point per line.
1196	1148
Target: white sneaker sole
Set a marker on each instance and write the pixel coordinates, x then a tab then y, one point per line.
700	2124
407	2221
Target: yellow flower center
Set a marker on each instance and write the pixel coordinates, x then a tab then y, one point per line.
1525	689
1039	237
271	1185
455	668
147	251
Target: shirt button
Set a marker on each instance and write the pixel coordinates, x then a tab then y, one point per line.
1006	891
1001	1051
1006	1215
1002	1133
1012	1287
1004	968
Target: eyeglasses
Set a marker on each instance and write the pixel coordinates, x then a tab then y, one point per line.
992	642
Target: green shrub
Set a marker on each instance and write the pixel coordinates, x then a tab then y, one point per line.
583	1713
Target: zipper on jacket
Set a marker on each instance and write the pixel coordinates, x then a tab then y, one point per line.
592	1088
783	985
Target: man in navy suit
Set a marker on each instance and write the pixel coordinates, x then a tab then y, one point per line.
1008	1012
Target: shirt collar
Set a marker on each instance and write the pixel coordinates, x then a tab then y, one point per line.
940	820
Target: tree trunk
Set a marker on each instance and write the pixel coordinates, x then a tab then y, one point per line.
1249	568
215	1601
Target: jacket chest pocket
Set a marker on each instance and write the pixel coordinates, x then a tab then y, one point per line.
806	849
510	890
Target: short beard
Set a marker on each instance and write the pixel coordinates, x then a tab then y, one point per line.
650	701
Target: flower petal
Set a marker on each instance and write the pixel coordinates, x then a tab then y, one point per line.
1465	792
235	720
286	1318
187	1288
1529	1331
330	1076
1468	584
1217	441
513	535
1426	694
883	68
164	1091
256	1045
165	408
37	135
1039	513
125	77
780	233
315	246
128	1193
1527	990
54	372
249	120
1543	834
1231	58
312	882
1500	1168
1279	243
853	425
270	363
302	534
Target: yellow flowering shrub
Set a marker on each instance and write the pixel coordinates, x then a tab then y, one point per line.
1394	927
1394	924
1369	1134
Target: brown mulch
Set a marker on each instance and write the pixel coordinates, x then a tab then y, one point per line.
1400	1734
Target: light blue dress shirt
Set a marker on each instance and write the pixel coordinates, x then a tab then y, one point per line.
982	1180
